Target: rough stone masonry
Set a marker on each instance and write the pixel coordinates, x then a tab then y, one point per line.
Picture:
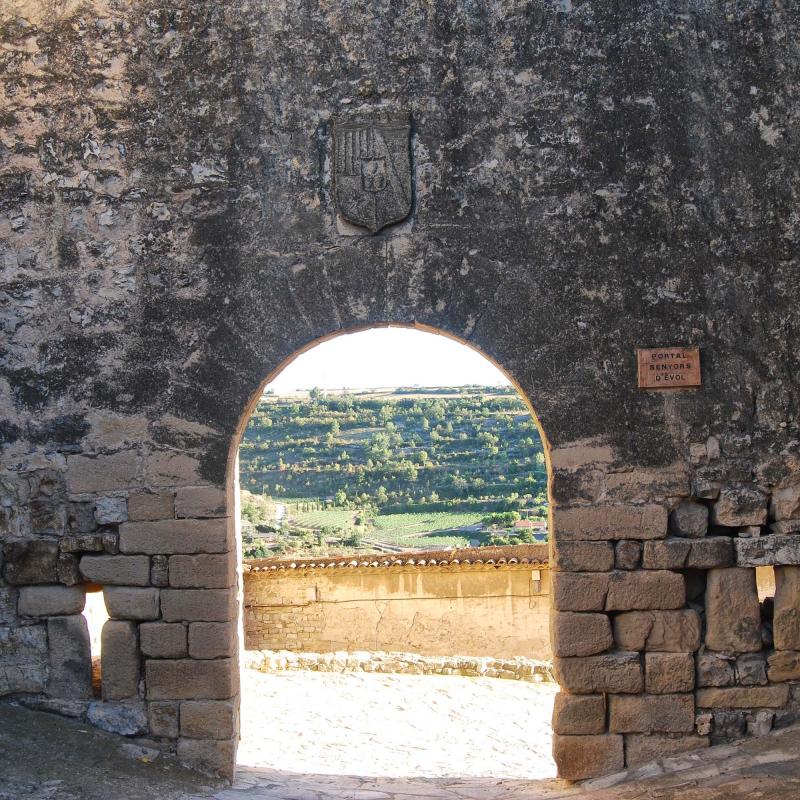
588	178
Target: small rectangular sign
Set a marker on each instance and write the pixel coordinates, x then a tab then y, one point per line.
669	367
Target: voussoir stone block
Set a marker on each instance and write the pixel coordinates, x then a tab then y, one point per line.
51	601
212	639
576	634
582	757
202	571
116	570
658	631
689	519
733	615
612	522
766	551
643	748
125	602
655	589
744	697
579	714
209	719
618	672
583	556
200	501
190	679
175	536
646	713
70	658
119	660
737	506
667	673
163	639
786	619
201	605
580	591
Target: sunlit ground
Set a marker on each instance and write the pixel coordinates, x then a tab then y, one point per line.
396	725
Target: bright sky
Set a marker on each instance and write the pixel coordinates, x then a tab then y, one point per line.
387	357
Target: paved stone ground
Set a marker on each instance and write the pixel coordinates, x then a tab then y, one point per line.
45	757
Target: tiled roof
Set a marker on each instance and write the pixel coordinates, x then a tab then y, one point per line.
533	555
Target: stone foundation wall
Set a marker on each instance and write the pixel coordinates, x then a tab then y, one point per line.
463	610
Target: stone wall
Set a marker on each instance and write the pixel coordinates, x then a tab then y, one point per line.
469	610
588	178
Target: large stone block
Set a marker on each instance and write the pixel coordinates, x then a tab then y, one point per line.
714	669
119	660
767	551
209	756
666	554
116	570
645	713
575	634
658	631
212	639
706	553
784	666
51	601
627	554
110	510
632	591
23	659
198	605
32	562
580	757
583	556
126	602
209	719
103	541
611	672
733	616
668	673
103	473
172	468
785	503
163	715
202	571
70	658
189	679
743	697
579	714
176	536
580	591
737	506
751	669
163	639
786	619
643	748
689	520
150	506
610	523
200	501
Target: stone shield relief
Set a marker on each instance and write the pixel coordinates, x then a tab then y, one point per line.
372	169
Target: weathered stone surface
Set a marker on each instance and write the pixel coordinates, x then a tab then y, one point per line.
743	697
714	669
784	666
584	556
30	562
739	505
175	536
8	606
666	554
611	672
212	639
145	506
784	526
23	659
202	605
209	719
759	723
119	657
575	634
579	714
67	569
733	616
751	670
576	591
786	617
645	713
641	749
628	591
125	602
665	673
116	570
163	639
627	554
689	519
715	551
210	756
581	757
767	551
593	523
70	658
785	503
126	719
109	510
159	571
171	468
211	572
658	631
103	541
200	501
188	679
103	473
48	601
163	717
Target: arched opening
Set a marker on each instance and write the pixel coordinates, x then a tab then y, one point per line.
392	510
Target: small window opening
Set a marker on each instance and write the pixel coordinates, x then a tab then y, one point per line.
96	616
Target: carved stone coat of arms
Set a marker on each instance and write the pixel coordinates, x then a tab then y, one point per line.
372	169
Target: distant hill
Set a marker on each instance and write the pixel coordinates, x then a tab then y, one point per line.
391	469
